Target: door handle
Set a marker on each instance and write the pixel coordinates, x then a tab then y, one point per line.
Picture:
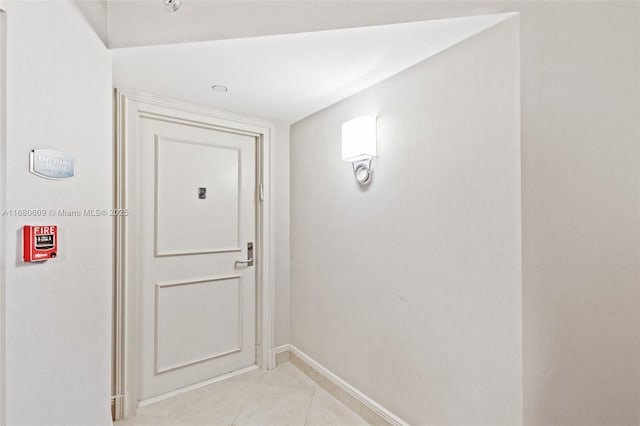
249	261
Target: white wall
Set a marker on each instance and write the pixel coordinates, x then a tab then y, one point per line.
58	314
581	213
581	248
3	230
138	22
95	13
581	236
410	288
280	234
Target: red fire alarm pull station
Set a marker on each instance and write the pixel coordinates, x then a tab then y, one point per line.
40	242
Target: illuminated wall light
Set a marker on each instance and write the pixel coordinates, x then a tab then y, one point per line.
359	146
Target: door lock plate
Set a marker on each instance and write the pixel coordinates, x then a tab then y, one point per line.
249	261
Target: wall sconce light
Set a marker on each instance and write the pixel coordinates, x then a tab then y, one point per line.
359	146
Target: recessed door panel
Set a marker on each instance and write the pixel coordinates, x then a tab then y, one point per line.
197	321
189	221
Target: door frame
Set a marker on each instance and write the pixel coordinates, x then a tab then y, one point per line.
126	298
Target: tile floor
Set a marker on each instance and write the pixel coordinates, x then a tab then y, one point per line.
280	397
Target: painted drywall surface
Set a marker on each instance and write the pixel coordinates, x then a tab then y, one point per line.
281	224
410	289
375	61
95	13
3	183
58	317
580	187
137	22
581	96
340	63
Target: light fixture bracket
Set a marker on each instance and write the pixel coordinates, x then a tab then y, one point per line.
172	5
363	170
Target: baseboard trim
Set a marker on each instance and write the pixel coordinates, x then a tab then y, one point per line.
196	386
281	354
367	408
281	349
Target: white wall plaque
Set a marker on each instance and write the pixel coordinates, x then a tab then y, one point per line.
51	164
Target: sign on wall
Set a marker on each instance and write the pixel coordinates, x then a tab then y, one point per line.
51	164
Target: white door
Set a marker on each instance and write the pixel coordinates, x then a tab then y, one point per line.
198	304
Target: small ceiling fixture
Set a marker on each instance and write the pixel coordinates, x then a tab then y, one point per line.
220	88
172	5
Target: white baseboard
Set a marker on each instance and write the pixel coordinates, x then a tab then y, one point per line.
280	349
196	386
375	408
281	354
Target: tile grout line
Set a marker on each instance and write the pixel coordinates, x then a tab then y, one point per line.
306	418
244	403
290	387
299	387
250	387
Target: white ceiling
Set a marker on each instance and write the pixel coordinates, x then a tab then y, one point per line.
288	77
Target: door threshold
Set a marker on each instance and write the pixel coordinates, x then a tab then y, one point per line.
196	386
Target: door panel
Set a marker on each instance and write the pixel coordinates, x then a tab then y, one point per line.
201	224
197	305
197	321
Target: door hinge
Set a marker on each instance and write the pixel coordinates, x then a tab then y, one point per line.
260	192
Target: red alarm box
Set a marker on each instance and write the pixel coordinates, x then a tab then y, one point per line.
39	242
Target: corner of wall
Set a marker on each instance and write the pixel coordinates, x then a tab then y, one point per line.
96	14
3	228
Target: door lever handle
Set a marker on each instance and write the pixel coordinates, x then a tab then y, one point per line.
249	261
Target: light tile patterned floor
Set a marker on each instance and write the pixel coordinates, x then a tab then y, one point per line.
280	397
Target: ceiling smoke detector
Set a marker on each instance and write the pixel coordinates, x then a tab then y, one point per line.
172	5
